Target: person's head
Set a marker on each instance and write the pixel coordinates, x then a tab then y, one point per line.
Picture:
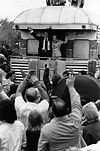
31	94
11	75
7	111
90	111
59	107
65	74
46	35
55	78
54	37
35	120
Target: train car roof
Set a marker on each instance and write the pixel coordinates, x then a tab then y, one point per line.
56	17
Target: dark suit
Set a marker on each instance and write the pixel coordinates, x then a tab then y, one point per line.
41	52
91	132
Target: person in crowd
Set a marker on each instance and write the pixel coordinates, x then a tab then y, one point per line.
56	43
63	131
50	85
4	82
11	130
45	47
6	66
35	122
97	73
11	77
91	67
46	80
91	128
32	102
2	58
5	50
68	73
56	87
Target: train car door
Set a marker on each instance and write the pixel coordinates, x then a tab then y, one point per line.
81	48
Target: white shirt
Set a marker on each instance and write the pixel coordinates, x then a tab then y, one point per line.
11	136
24	108
48	44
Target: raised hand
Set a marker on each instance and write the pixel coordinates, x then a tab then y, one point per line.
34	78
70	82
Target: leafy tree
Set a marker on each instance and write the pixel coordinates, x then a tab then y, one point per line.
7	34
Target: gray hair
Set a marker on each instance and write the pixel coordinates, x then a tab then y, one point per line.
90	111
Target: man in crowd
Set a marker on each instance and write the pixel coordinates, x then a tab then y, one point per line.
32	102
64	130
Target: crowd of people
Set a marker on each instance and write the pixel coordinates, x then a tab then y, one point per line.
40	116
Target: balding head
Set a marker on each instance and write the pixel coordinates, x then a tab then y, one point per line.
31	94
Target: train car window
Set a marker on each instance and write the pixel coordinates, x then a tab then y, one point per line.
32	47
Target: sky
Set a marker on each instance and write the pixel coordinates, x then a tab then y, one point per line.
11	8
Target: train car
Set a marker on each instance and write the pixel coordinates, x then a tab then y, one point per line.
79	25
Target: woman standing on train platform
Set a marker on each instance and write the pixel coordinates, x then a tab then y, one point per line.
56	43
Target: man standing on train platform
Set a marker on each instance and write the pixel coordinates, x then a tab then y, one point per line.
45	44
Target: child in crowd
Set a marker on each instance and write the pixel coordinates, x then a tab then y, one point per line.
35	122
